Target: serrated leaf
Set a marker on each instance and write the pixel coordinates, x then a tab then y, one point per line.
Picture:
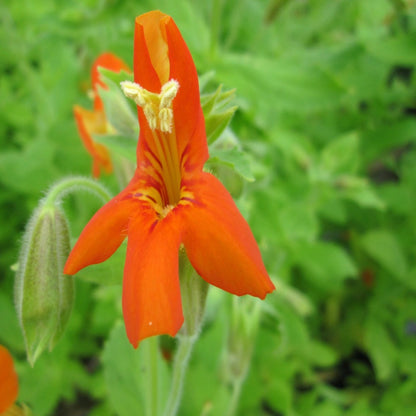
325	264
233	158
383	246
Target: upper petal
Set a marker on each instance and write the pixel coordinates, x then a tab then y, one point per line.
220	244
8	380
189	119
161	54
151	293
103	234
150	52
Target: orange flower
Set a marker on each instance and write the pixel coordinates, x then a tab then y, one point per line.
170	202
8	380
95	122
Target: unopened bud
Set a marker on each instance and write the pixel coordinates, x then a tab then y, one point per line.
43	294
245	318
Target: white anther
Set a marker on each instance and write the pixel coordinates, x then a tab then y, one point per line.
135	92
165	120
157	108
168	93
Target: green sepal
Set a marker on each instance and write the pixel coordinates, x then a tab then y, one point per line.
122	145
234	158
218	112
43	294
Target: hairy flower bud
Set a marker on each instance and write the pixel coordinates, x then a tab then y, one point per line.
43	294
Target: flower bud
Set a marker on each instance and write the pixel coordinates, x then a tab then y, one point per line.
245	319
43	294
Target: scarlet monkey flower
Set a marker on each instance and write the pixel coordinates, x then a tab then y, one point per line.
95	122
170	202
8	380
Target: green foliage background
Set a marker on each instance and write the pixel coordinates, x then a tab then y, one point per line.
327	103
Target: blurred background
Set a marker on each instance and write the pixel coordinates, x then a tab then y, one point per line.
326	91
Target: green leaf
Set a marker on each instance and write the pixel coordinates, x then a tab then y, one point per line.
233	158
383	246
30	170
295	336
127	372
342	154
298	222
218	112
266	85
109	272
113	77
381	348
325	264
398	50
360	191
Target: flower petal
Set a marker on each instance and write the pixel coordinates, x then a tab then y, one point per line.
151	293
219	242
88	123
103	234
189	119
149	52
161	54
8	380
111	62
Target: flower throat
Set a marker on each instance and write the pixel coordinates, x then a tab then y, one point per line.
158	111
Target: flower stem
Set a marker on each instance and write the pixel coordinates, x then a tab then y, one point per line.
180	366
233	406
152	350
75	183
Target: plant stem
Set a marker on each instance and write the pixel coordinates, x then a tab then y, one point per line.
180	365
237	385
74	183
153	346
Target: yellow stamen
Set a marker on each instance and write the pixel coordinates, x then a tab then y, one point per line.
156	107
158	111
